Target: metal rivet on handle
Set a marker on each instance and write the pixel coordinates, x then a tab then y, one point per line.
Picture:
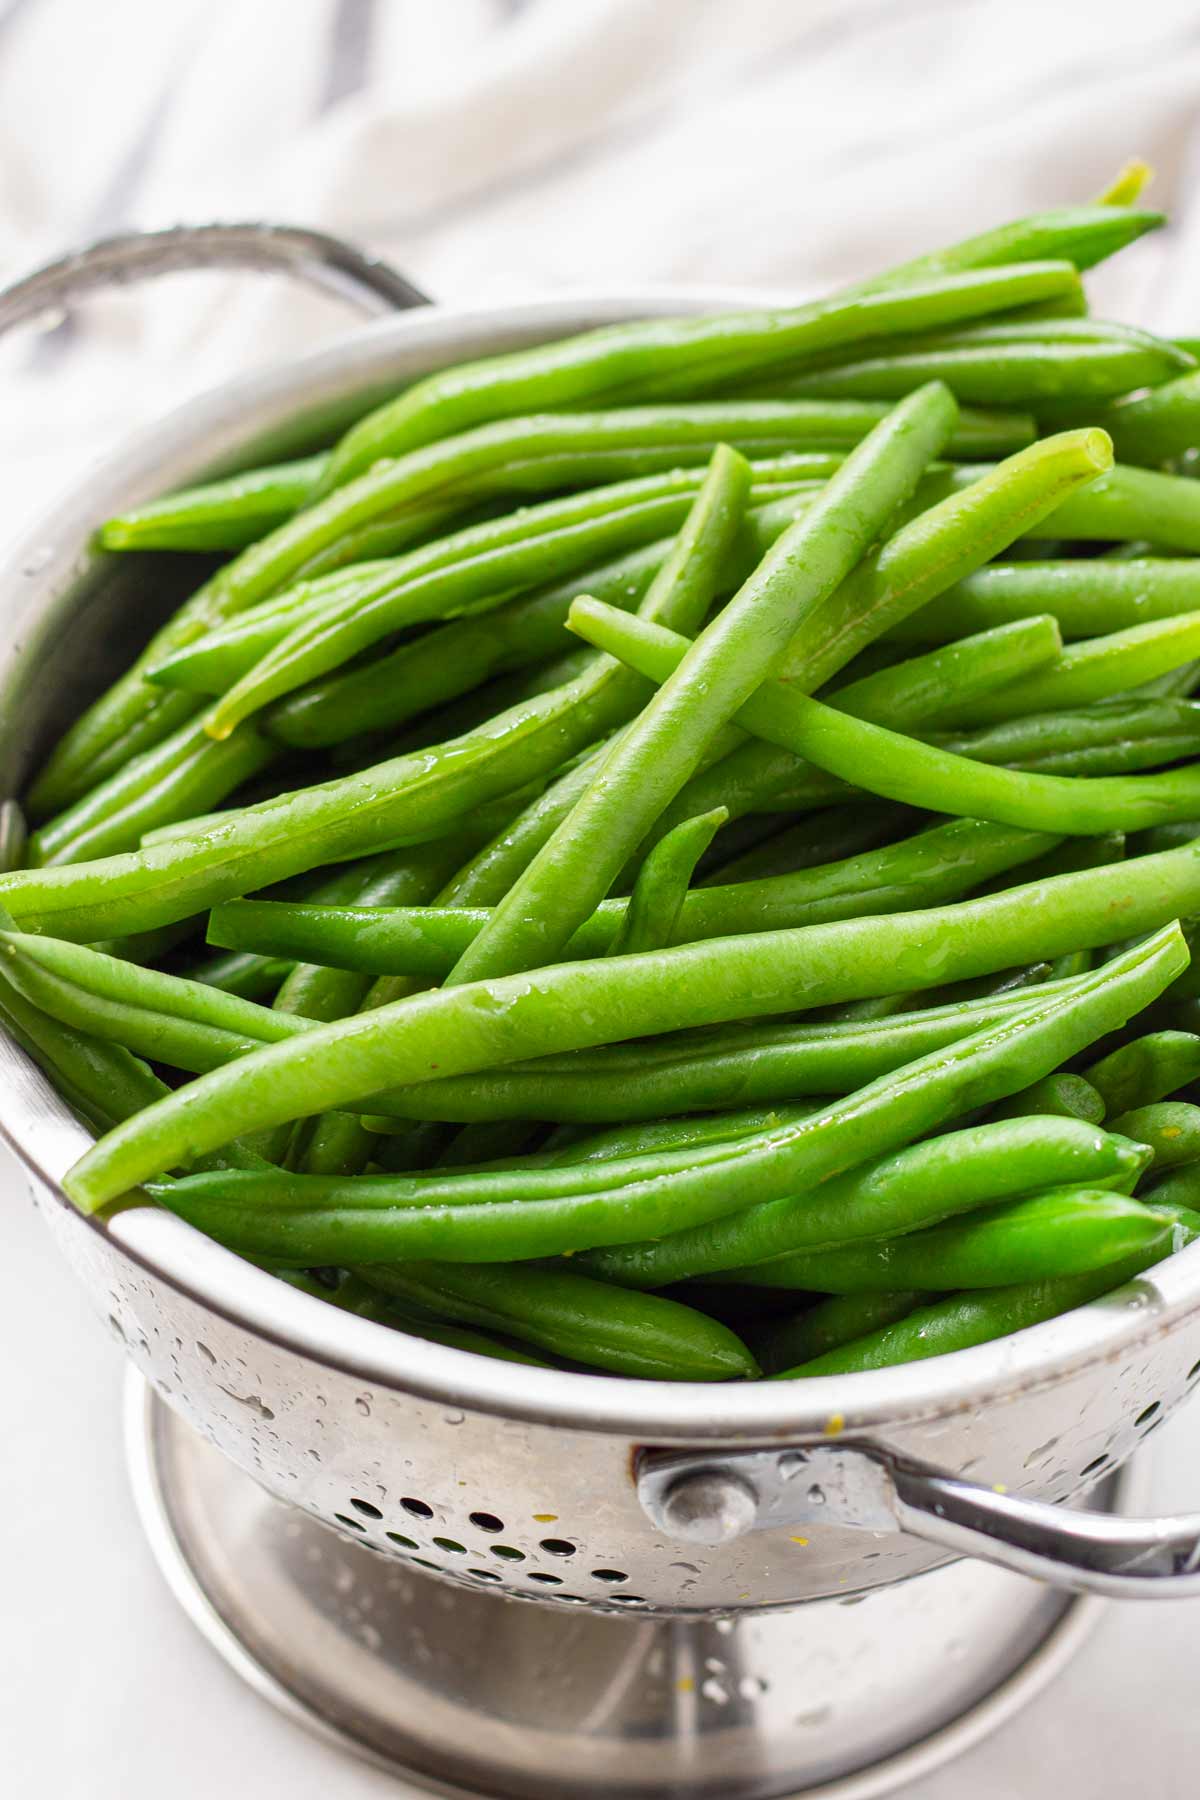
708	1506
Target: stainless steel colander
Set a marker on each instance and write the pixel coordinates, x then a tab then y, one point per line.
702	1507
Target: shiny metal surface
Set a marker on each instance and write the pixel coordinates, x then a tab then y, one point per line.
713	1500
474	1695
523	1484
311	256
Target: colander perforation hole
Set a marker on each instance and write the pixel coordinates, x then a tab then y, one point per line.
418	1508
1094	1467
449	1545
366	1509
486	1521
558	1547
545	1580
626	1600
484	1574
1193	1371
1147	1413
354	1524
507	1552
423	1562
405	1543
611	1575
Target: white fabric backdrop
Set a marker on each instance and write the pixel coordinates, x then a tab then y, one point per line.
495	147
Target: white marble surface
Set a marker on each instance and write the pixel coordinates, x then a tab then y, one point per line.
107	1693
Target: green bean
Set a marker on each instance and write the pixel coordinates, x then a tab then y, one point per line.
1127	502
962	1320
900	1188
135	714
1148	1069
1159	426
580	1319
1097	669
353	1295
665	1134
598	1205
902	768
185	1024
1083	235
1111	737
523	1212
662	885
219	515
13	835
1125	189
938	547
103	1082
1061	1094
777	611
249	977
1022	363
457	1031
937	864
674	357
1086	596
959	677
1168	1128
215	661
753	1064
827	1325
184	775
830	836
396	601
1064	1231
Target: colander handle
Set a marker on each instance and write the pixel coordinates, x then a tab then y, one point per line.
312	256
706	1499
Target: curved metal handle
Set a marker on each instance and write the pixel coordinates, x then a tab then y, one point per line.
313	256
714	1499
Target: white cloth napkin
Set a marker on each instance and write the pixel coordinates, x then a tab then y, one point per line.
502	147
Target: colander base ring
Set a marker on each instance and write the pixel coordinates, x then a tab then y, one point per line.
476	1695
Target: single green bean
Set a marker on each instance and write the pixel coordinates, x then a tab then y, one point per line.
1110	737
956	679
1065	1231
1086	595
1063	1095
1168	1128
218	515
1150	1068
962	1320
580	1319
827	1325
661	887
1022	363
825	837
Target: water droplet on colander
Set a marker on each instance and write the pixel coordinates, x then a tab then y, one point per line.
815	1495
38	559
753	1687
723	1627
343	1581
685	1568
715	1691
362	1405
714	1665
820	1715
453	1418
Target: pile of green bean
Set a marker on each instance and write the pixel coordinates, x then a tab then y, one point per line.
674	852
